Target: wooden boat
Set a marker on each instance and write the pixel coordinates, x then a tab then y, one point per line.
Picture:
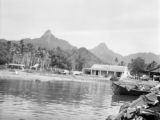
122	98
120	89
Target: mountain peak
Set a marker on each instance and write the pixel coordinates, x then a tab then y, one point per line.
48	33
102	46
105	54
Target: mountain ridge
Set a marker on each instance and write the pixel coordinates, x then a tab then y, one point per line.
147	56
101	51
106	54
49	41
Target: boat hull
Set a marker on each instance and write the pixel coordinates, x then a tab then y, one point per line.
121	90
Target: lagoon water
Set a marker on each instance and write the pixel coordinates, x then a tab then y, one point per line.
58	100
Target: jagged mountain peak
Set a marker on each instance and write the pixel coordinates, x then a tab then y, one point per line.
102	46
49	41
105	54
47	34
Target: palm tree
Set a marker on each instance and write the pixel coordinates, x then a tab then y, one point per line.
30	52
22	46
22	50
9	50
122	63
116	60
9	46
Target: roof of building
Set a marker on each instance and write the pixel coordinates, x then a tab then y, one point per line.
157	69
13	64
115	68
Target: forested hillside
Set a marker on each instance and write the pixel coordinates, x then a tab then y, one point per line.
60	55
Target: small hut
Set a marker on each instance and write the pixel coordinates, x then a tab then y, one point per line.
16	66
155	73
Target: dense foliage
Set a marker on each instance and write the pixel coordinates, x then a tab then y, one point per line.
59	59
21	52
4	56
138	66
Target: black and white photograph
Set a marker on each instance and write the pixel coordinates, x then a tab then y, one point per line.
79	60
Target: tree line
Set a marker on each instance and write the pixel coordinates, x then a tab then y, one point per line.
138	66
20	52
29	55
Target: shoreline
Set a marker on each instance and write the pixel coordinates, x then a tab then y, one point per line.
22	75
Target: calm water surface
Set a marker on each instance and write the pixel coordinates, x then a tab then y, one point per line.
57	100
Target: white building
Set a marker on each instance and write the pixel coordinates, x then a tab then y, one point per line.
105	70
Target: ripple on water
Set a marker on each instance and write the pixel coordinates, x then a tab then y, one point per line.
57	100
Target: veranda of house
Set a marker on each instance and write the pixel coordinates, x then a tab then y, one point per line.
105	70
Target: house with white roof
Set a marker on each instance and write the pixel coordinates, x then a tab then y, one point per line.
105	70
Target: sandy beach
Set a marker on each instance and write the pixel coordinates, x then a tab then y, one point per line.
21	75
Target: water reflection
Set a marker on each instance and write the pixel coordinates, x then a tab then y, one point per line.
59	91
54	100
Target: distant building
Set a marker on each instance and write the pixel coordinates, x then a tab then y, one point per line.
15	66
105	70
155	73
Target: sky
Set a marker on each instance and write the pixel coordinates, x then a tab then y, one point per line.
126	26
